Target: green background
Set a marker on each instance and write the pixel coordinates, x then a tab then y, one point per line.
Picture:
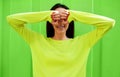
15	56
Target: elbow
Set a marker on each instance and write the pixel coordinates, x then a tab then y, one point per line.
8	19
13	21
112	22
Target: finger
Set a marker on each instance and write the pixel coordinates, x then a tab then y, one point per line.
55	14
65	12
55	17
63	18
64	15
55	23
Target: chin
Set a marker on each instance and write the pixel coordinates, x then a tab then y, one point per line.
61	31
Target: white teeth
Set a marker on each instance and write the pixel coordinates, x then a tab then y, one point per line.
60	26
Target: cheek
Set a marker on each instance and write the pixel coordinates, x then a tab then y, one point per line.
67	26
54	27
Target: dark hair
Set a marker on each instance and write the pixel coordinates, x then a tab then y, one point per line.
50	29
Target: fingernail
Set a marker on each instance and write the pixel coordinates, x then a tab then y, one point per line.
57	12
67	12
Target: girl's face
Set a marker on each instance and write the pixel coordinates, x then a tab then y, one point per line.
59	20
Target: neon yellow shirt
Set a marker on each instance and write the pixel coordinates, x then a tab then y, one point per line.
60	58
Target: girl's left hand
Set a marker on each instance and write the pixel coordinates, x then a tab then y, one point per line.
57	16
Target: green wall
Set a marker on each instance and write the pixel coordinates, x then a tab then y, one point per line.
15	56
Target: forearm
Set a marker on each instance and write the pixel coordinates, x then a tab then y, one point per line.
92	19
31	17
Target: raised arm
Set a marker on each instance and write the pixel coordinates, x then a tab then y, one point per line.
102	24
17	21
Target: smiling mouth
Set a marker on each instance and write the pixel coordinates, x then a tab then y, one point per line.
61	27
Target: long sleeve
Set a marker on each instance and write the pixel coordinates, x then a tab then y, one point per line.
102	24
17	21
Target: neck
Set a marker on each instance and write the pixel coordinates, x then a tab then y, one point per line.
60	36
